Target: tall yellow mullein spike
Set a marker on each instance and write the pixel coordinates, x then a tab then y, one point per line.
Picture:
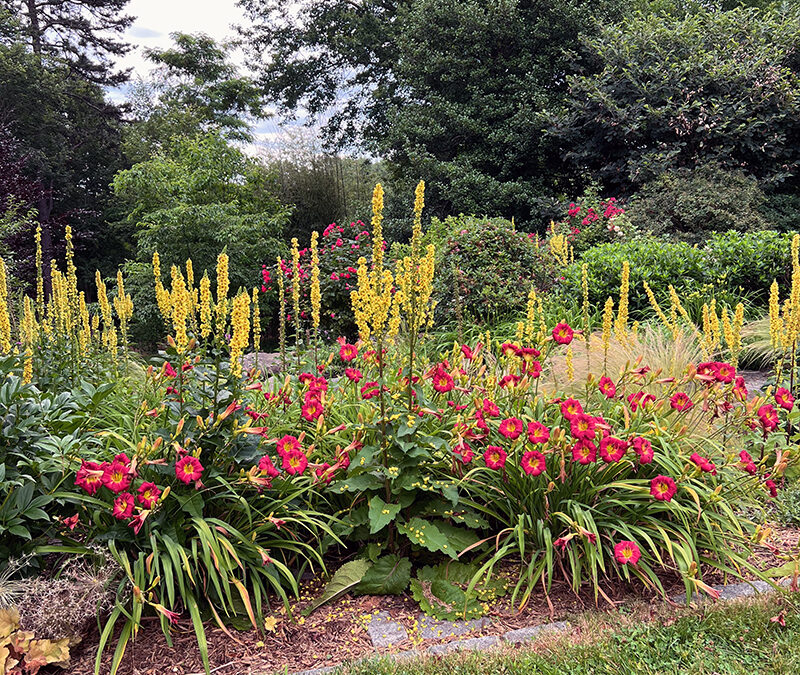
5	317
416	230
296	288
608	320
775	320
282	313
240	321
180	309
39	275
377	228
162	295
223	285
256	323
205	306
316	294
621	325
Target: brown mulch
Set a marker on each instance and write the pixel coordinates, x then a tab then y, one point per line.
336	632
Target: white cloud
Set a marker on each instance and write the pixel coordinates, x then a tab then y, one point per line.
156	19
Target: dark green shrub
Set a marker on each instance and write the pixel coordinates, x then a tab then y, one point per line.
491	265
690	204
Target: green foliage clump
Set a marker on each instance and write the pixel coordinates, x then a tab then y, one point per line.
732	266
678	91
486	268
657	261
690	204
197	198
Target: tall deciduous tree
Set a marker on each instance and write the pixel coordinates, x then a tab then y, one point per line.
195	88
70	137
83	33
450	90
675	93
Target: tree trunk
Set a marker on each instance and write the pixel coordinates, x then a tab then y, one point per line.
33	26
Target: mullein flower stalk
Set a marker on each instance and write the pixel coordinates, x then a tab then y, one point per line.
608	319
282	315
240	338
5	315
316	294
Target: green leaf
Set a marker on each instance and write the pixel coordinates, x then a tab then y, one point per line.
381	514
444	601
360	483
426	534
458	537
389	576
347	577
193	504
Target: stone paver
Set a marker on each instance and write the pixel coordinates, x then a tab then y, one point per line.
318	671
471	644
744	589
433	629
383	631
530	632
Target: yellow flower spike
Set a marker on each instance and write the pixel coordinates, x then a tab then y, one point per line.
223	286
316	295
180	309
608	318
570	365
39	275
256	323
205	306
775	321
282	313
296	289
5	318
162	295
240	320
621	325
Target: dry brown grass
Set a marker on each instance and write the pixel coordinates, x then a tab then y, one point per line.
652	347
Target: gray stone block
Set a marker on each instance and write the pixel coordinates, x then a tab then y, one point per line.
433	629
384	632
318	671
406	655
744	589
471	644
530	632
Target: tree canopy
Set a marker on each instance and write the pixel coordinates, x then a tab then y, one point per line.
677	92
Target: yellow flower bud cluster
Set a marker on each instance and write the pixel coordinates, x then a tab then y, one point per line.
109	338
29	334
5	319
162	295
732	331
608	320
530	316
240	321
205	306
621	325
223	285
316	295
296	289
181	308
281	313
123	304
710	338
372	300
39	276
256	322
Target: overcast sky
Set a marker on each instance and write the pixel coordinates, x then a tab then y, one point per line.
156	19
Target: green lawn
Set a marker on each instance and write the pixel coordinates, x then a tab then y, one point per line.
738	638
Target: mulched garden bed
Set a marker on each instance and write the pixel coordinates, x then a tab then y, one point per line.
336	632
